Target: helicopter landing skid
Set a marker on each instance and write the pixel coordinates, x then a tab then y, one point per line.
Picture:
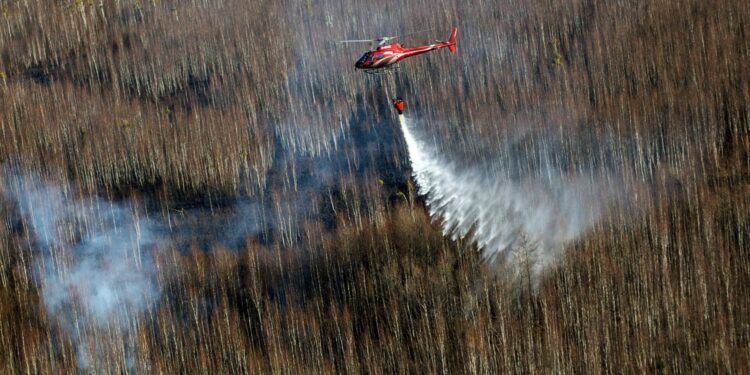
383	71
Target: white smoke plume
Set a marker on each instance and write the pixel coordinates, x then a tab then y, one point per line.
522	223
94	259
95	268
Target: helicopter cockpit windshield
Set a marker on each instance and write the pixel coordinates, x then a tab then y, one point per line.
364	61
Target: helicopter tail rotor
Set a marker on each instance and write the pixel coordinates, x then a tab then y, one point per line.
452	40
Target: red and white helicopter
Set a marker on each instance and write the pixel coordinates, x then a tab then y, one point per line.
387	55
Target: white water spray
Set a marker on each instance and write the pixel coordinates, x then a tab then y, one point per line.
523	223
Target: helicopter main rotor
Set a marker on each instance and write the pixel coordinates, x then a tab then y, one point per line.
382	40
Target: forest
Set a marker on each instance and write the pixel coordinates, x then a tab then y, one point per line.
193	186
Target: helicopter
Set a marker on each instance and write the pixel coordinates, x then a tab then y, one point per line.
384	58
